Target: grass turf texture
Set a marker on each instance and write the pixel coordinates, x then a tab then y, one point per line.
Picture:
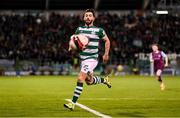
130	96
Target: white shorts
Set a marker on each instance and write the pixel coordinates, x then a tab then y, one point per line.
88	65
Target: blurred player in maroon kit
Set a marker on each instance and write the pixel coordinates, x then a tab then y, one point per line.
158	57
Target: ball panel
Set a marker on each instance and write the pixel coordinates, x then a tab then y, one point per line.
78	42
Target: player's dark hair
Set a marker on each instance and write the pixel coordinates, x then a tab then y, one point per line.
159	46
155	44
90	10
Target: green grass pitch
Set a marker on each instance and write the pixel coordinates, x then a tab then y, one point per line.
130	96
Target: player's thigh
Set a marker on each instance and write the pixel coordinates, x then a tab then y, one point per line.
88	66
158	72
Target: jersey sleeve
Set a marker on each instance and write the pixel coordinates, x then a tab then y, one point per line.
77	31
163	54
102	33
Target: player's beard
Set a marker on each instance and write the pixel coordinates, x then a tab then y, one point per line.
88	22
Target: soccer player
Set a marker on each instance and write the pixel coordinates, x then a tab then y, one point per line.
89	56
157	57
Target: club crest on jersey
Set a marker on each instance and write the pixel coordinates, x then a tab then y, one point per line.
93	32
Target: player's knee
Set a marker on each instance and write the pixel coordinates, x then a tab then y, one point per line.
81	78
158	74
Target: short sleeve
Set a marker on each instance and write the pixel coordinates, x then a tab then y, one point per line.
77	31
102	33
163	54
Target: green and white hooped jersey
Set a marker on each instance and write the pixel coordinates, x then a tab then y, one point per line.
94	34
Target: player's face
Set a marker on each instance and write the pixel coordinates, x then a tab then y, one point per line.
88	18
154	48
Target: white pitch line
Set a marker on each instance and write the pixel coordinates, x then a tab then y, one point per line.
90	110
169	99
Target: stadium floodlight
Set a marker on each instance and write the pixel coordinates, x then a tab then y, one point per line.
162	12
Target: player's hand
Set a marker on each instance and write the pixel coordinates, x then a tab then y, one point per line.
166	65
151	60
105	58
69	49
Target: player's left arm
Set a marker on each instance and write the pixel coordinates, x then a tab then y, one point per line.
166	58
107	48
105	38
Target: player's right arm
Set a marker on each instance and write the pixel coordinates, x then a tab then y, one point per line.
76	32
151	58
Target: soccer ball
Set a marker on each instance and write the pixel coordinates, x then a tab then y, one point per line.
120	68
78	42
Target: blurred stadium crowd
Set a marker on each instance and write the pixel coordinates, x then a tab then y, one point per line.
35	37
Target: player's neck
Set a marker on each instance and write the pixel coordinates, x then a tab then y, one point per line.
89	25
156	51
